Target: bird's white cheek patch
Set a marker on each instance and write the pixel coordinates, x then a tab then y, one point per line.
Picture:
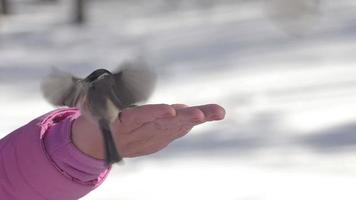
113	111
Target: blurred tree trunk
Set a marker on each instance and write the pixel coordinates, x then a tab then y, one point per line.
79	11
4	7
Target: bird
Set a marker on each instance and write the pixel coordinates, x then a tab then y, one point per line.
103	95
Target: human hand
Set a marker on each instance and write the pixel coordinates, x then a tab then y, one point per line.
146	129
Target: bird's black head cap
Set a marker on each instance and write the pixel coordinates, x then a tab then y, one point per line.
96	74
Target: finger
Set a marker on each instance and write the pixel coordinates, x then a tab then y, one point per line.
161	132
158	133
178	126
212	112
179	106
168	127
132	118
173	127
193	115
185	116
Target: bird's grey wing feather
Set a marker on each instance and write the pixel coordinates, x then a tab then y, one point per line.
61	88
75	94
135	82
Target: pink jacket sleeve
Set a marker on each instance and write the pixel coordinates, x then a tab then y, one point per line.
39	161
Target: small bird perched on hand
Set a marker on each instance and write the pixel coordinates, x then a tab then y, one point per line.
101	96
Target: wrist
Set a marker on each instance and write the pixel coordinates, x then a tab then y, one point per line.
86	137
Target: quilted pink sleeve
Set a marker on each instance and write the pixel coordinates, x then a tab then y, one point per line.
39	161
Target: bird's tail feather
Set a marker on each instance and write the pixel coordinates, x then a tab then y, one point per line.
111	153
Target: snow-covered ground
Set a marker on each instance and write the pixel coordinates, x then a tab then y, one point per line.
290	93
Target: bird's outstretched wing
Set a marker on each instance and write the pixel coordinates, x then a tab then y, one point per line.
61	88
134	82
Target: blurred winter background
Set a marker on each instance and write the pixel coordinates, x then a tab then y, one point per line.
283	69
